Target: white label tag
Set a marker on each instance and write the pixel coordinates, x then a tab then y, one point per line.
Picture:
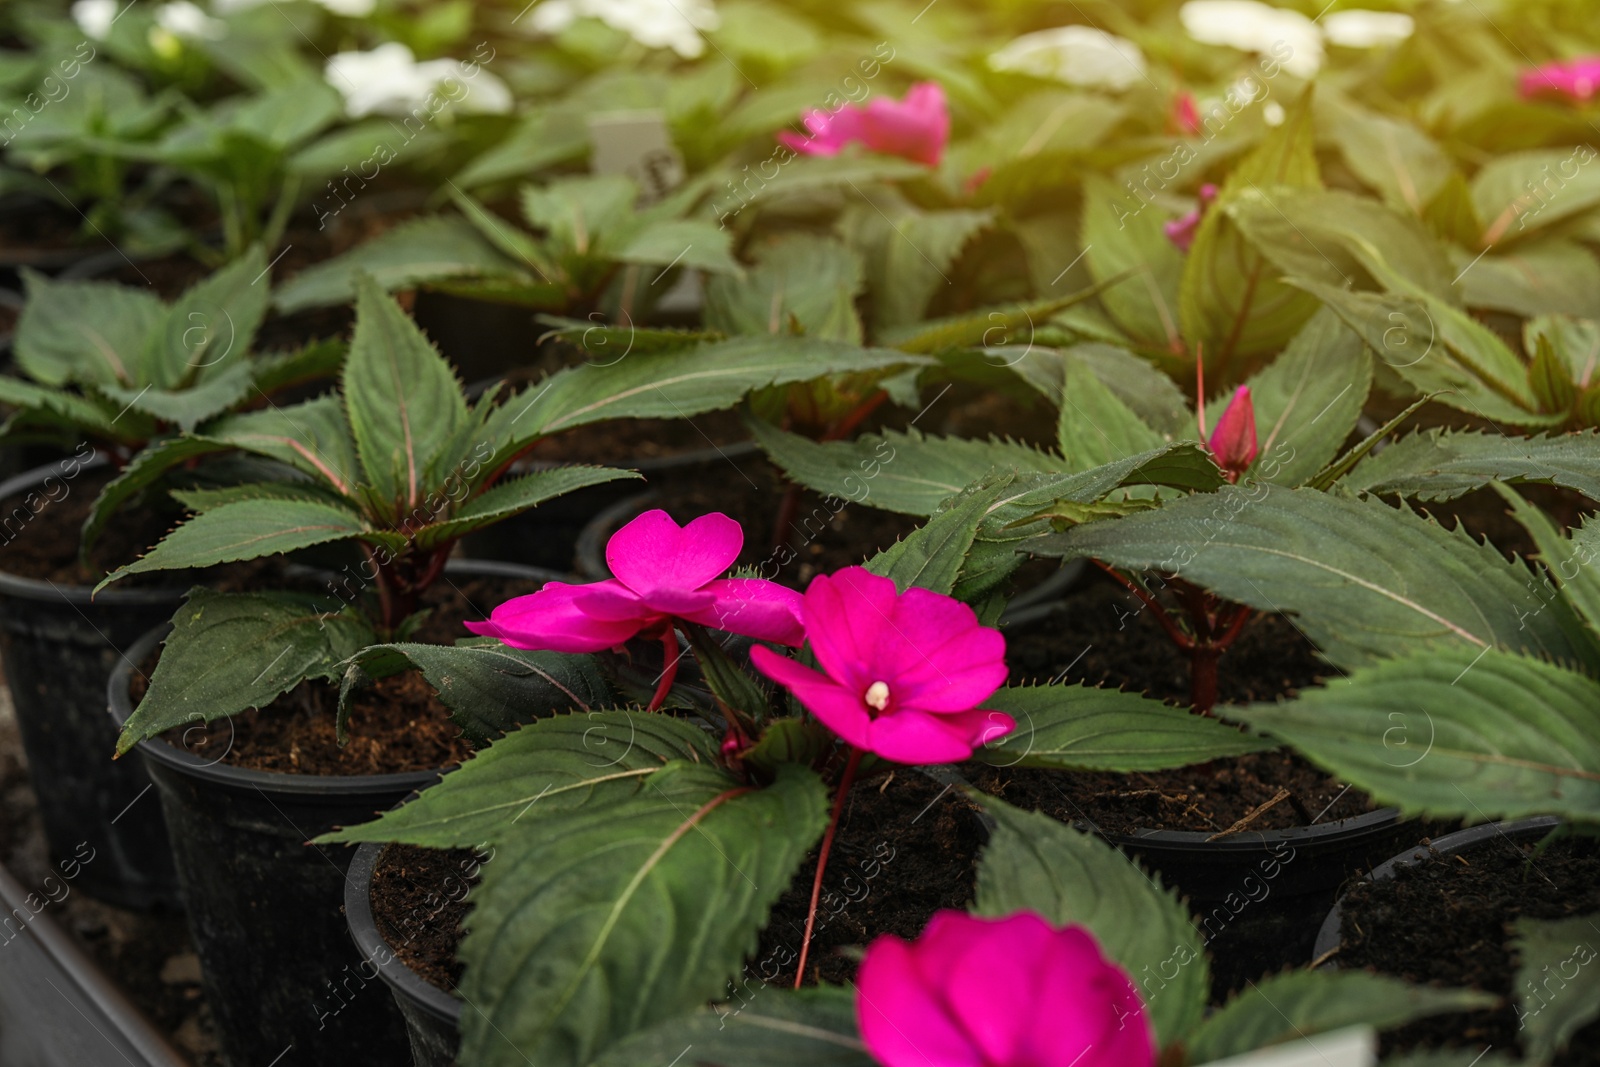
637	144
1355	1047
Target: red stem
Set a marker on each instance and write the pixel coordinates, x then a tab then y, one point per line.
839	430
669	669
1179	638
822	858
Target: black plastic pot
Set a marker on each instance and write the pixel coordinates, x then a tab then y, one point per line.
1530	829
433	1017
58	645
264	907
549	535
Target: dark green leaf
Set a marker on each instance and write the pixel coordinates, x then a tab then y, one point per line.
312	437
1558	994
1096	427
1308	400
801	279
775	1028
933	555
1440	465
514	496
84	332
418	251
1124	238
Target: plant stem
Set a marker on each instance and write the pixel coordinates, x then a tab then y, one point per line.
669	669
841	429
845	782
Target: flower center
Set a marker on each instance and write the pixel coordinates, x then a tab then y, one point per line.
877	695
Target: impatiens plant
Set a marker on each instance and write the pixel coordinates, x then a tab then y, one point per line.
637	856
915	129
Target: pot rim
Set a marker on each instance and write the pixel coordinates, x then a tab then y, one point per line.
401	979
119	705
79	596
1355	826
1331	932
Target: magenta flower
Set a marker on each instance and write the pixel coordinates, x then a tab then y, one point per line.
1233	443
915	129
1011	992
1180	231
905	672
663	572
1578	80
1184	116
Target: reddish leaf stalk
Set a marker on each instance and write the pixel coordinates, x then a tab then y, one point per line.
669	668
845	783
836	432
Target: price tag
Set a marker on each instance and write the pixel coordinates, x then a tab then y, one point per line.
1355	1047
637	144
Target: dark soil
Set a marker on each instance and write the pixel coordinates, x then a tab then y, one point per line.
419	901
396	724
1210	798
1486	516
907	846
1446	921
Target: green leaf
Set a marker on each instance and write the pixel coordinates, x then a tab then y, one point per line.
89	413
1010	327
1575	342
90	333
1566	558
1231	303
1440	465
1096	427
1519	193
1533	278
692	382
1364	580
315	360
1079	727
312	437
1300	1004
636	912
685	243
1307	400
143	470
490	688
1554	1005
907	251
208	331
1454	733
933	555
187	408
513	497
1135	381
232	651
1390	155
1122	243
420	250
802	284
404	403
577	213
550	768
512	242
1034	863
544	137
908	472
249	529
785	1028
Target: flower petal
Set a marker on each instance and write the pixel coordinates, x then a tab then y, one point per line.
839	709
921	737
903	1021
755	608
1108	1028
845	614
937	657
552	620
653	552
990	970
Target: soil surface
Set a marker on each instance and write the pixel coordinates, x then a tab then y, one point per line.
396	724
1446	921
47	526
907	846
419	901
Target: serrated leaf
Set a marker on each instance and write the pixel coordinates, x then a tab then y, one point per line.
1439	464
232	651
1079	727
1298	1005
58	407
639	912
490	688
800	279
1390	155
312	437
577	212
248	529
1363	580
1550	1015
208	331
1120	241
417	251
933	555
543	771
187	408
513	497
1566	558
403	400
1453	733
1135	381
687	243
90	333
1533	278
143	470
1096	427
1519	193
787	1028
1307	401
1034	863
312	361
907	251
1575	342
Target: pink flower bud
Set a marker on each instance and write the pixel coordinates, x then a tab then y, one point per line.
1233	442
1578	80
1184	117
1011	992
1180	231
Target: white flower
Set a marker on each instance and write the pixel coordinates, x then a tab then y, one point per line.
94	17
389	81
183	19
674	24
1273	114
1254	27
1077	55
350	8
1367	29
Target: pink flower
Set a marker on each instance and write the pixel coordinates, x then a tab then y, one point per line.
1011	992
915	129
905	672
663	571
1185	115
1180	231
1233	443
1577	80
